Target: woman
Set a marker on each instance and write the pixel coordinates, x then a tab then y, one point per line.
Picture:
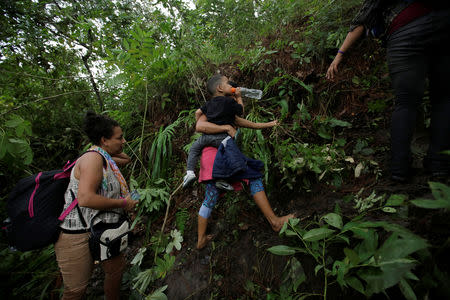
414	33
98	184
212	193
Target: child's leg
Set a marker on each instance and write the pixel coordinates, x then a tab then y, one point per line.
197	147
260	198
195	152
211	197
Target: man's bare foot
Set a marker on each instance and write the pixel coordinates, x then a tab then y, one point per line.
278	222
202	242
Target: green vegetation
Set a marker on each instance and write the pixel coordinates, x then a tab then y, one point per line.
145	64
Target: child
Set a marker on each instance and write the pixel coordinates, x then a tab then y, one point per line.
220	110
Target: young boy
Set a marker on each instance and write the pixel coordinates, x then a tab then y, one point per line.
220	110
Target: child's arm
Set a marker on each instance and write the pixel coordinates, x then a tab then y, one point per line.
238	98
241	122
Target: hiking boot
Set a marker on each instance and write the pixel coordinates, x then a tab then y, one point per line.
188	179
223	185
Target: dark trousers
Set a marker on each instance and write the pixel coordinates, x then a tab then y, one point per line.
203	141
415	52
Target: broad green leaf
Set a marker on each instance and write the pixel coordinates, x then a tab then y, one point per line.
137	260
289	232
367	248
284	107
14	122
396	200
440	190
335	122
317	269
355	283
344	238
390	210
294	221
352	256
334	220
317	234
281	250
398	248
283	229
411	276
431	204
158	294
295	273
339	270
323	133
406	289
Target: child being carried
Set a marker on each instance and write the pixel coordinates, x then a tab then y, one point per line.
221	109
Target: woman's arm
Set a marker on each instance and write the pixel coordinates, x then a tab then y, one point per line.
241	122
204	126
350	39
90	174
121	159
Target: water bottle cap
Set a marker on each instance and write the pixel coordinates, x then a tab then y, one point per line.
233	90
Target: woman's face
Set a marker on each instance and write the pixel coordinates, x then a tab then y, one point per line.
114	145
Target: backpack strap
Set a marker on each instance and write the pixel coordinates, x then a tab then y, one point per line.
69	209
74	202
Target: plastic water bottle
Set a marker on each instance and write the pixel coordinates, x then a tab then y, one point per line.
250	93
135	195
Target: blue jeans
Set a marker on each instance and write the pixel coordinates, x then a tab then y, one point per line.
416	52
212	194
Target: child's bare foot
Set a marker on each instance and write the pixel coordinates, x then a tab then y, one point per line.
278	222
202	242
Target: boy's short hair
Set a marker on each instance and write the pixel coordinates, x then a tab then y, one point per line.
213	83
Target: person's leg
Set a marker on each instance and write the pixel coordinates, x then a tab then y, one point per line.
202	237
408	68
194	153
260	198
211	197
437	162
75	263
113	268
197	147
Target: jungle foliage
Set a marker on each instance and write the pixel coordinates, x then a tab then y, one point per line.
145	63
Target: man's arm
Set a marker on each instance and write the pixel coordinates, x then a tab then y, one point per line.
198	113
204	126
241	122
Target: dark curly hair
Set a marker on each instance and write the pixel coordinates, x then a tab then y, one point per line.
98	126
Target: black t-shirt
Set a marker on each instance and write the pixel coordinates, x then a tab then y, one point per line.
222	110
